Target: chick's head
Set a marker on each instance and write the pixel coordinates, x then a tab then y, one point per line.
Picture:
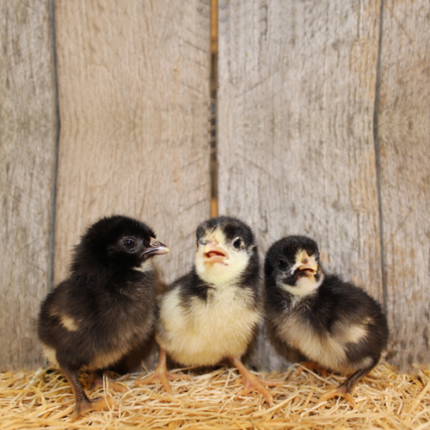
118	241
225	248
292	263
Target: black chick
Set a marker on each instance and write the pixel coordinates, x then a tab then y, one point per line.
105	307
212	312
334	323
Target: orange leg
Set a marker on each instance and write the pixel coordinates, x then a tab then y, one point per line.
161	374
252	382
311	365
95	380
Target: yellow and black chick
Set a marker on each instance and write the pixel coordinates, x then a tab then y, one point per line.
212	312
333	323
107	305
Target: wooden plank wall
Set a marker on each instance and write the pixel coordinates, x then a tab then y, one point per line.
322	129
297	103
134	109
28	135
404	145
133	89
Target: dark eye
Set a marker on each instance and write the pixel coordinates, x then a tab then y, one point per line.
129	244
282	264
237	243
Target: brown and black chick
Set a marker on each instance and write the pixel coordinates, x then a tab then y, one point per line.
212	312
333	323
106	306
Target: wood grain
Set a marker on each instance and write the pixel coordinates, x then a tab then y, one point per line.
134	106
295	140
404	132
28	134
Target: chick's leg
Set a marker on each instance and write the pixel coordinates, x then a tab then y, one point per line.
311	365
83	404
344	390
95	380
252	382
161	374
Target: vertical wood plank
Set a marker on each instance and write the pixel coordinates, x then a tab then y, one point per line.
134	100
404	134
28	134
295	140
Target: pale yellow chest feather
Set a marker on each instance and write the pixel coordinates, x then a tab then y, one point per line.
204	333
328	350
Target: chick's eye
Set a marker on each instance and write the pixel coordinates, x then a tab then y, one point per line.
282	264
129	244
237	243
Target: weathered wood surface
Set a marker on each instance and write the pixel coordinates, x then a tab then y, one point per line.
134	108
404	142
28	133
296	96
296	151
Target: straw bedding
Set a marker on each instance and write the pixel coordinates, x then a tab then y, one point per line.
385	399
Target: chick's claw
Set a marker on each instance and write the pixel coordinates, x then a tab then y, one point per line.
341	391
91	405
250	381
158	375
161	374
116	387
253	383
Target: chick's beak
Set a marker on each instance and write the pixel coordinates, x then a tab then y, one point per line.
309	266
213	253
156	248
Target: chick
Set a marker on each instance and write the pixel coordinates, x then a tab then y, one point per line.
212	312
332	322
105	307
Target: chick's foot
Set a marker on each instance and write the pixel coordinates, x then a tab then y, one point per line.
161	374
95	381
83	404
341	391
90	405
311	365
252	382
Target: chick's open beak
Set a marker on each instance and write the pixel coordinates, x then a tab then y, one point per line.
213	253
309	266
156	248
